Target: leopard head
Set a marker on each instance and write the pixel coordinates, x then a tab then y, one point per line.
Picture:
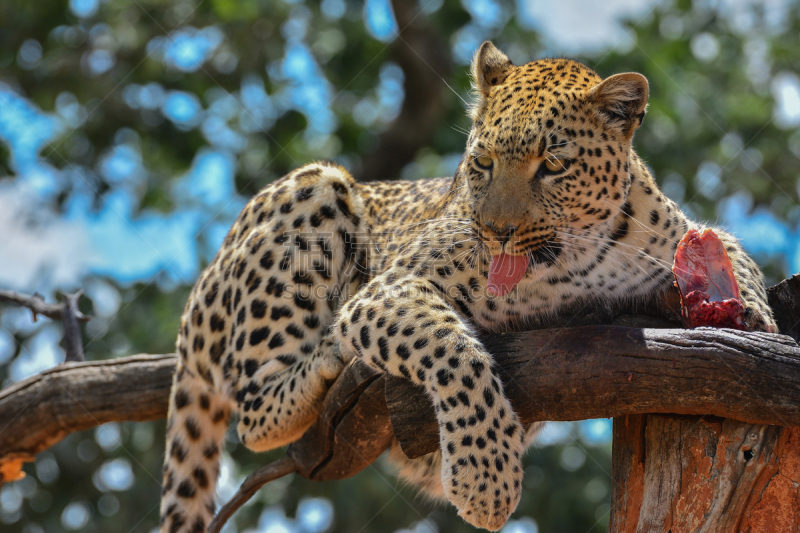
548	151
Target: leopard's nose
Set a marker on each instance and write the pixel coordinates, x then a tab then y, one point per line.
501	233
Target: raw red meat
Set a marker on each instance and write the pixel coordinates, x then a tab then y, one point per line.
704	277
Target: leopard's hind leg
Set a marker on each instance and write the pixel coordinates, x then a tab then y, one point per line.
254	336
311	260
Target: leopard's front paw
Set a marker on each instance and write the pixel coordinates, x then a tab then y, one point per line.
482	467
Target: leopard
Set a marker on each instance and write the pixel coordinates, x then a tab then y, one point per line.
549	208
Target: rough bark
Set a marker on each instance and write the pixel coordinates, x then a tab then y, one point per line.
564	374
40	411
605	371
682	474
784	299
627	466
353	428
704	475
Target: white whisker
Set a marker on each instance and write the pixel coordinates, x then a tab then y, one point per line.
640	253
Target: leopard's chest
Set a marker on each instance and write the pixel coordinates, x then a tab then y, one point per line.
457	266
442	249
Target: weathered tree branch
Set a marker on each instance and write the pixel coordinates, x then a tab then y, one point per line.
601	371
353	429
73	341
277	469
38	412
67	311
567	374
784	299
38	306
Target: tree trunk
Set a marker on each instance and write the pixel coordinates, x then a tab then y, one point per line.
682	474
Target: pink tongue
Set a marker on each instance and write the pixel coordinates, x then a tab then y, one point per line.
505	272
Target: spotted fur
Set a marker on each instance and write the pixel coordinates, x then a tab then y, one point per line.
319	269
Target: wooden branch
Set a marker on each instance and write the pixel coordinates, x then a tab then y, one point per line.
38	306
40	411
784	299
602	371
574	373
43	409
353	429
277	469
689	474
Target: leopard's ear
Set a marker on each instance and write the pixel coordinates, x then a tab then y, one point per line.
490	67
621	100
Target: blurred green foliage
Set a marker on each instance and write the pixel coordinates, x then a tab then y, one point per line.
713	107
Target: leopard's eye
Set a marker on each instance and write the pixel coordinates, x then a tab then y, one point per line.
554	165
484	162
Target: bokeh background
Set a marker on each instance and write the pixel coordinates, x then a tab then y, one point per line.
133	131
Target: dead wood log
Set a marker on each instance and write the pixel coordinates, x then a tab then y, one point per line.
687	474
566	374
604	371
38	412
